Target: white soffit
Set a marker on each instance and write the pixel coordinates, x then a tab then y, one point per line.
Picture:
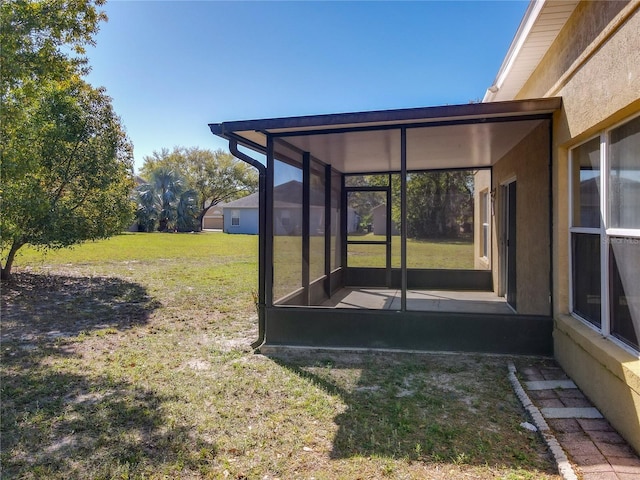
539	28
452	146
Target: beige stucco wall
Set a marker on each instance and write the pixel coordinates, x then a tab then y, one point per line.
594	65
606	373
580	35
602	91
599	92
528	163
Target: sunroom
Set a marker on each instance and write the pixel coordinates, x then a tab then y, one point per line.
423	229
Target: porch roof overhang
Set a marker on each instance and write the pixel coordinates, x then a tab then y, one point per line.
540	26
452	136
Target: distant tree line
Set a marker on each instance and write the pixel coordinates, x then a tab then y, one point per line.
439	204
178	187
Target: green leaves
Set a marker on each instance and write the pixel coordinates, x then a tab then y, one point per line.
66	163
71	170
33	34
166	203
440	203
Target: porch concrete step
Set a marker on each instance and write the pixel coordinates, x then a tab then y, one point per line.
549	384
566	412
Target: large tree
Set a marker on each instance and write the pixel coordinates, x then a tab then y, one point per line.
439	203
66	174
215	176
66	164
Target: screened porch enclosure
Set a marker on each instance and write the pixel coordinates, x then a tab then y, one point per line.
440	244
390	229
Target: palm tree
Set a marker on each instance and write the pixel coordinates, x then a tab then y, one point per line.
187	212
168	186
147	207
165	202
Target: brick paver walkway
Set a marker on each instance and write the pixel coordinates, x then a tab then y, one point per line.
594	448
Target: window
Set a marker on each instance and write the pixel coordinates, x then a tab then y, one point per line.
285	219
605	232
235	218
485	215
624	176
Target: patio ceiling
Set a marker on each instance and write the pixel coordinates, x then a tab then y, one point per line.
455	136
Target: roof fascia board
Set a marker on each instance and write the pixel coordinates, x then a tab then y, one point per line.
529	19
426	124
465	113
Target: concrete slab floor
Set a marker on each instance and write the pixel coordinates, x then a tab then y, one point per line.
420	300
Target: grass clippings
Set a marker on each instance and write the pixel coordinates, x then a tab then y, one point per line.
130	359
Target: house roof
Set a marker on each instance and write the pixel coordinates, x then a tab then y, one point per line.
287	194
538	29
250	201
450	136
211	211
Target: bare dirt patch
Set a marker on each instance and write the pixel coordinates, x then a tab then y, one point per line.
43	306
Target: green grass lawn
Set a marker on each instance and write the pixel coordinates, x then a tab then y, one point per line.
434	254
437	254
129	359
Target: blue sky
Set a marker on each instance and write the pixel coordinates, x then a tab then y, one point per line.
172	67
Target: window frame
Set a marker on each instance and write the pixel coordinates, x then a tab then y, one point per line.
485	223
285	215
235	218
603	231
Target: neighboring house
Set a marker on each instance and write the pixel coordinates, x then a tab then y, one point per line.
213	218
380	221
353	221
241	216
556	147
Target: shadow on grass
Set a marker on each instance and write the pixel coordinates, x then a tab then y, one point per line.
54	306
58	411
445	409
52	423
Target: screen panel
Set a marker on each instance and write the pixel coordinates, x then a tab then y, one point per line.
287	229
